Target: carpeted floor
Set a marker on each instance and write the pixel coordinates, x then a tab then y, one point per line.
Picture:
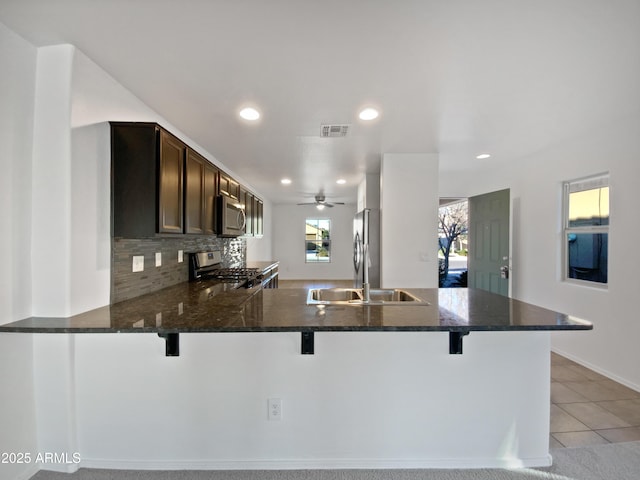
616	461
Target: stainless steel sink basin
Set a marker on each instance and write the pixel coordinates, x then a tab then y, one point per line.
323	295
392	295
354	296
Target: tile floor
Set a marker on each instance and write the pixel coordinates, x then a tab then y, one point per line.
589	409
586	407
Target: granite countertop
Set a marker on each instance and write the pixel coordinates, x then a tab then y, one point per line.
215	307
262	266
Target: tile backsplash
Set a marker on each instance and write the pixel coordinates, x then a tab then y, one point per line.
126	284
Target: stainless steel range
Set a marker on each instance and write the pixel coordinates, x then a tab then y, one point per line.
208	266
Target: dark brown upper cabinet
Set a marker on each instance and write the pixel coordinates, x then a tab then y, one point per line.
201	189
147	168
171	171
248	210
210	193
161	186
228	186
258	220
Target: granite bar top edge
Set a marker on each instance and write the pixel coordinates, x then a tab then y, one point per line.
184	309
15	327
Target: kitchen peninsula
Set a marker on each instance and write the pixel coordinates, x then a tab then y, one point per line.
381	390
213	307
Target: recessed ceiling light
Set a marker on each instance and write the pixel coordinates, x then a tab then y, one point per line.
482	156
341	181
368	114
249	113
285	181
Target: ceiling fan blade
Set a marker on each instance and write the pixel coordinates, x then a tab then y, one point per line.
307	203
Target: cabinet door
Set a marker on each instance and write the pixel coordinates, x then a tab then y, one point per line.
171	167
210	194
258	220
194	193
228	186
249	212
134	174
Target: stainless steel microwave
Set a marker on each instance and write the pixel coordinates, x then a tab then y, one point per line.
231	217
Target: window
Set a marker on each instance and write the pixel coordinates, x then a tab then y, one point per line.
317	240
586	229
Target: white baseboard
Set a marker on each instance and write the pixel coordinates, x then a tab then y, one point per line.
317	464
28	472
597	369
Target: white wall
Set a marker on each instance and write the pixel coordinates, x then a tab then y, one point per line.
409	220
364	400
261	248
535	183
289	242
17	87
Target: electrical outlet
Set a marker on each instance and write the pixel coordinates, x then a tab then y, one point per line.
180	256
275	409
138	263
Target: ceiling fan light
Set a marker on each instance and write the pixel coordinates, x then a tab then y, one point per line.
320	206
285	181
341	181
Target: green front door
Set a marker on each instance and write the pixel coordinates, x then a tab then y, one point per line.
489	242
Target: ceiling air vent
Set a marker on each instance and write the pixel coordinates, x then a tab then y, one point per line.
327	131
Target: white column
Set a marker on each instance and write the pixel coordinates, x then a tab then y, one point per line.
54	364
409	220
51	182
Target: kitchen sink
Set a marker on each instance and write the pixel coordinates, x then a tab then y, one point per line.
323	295
355	296
392	295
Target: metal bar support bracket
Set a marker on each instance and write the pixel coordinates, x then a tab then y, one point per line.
307	343
455	342
172	347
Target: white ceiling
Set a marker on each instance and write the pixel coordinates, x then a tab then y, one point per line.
459	78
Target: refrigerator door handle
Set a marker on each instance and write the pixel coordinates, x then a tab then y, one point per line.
357	252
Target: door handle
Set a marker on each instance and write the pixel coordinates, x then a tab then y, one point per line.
504	271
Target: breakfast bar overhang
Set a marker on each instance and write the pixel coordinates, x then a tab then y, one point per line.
381	389
190	308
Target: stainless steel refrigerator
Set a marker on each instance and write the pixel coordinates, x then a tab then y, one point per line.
366	233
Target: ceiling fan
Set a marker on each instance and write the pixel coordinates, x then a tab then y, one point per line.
321	202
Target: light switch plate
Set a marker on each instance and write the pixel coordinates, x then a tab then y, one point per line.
180	256
158	259
138	263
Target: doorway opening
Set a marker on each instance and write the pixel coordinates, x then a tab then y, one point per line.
453	242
